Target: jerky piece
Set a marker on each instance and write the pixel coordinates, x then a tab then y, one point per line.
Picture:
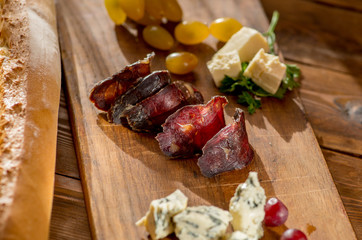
149	114
187	130
105	93
229	149
148	86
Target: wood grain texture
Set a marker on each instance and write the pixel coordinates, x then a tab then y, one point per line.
347	172
69	218
123	171
66	163
352	5
333	102
319	35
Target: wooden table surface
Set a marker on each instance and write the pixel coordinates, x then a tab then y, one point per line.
323	38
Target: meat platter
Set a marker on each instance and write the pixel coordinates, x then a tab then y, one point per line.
123	171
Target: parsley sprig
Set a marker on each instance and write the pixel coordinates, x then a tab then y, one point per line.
270	34
248	92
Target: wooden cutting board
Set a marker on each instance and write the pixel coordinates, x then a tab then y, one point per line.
123	171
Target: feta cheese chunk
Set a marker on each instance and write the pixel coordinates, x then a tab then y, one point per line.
247	42
239	236
201	223
158	219
266	71
247	207
224	64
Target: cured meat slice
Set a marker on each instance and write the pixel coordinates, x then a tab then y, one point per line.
148	86
105	93
187	130
229	149
149	114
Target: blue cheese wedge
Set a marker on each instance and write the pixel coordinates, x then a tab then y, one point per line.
225	64
266	71
201	223
239	236
247	42
158	219
247	207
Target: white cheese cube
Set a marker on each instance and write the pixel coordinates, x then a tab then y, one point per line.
158	219
266	71
247	42
224	64
239	236
247	207
201	223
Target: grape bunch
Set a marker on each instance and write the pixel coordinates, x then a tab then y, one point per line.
153	13
143	11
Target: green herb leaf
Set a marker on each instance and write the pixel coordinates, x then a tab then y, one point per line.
258	91
244	65
293	70
292	73
280	93
247	91
227	85
248	100
270	34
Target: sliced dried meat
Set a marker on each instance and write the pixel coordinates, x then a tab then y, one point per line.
187	130
148	86
149	114
229	149
105	93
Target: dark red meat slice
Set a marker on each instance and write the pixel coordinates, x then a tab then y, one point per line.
187	130
229	149
148	86
105	93
149	114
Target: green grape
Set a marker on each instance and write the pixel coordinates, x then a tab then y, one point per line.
135	9
115	11
223	28
191	32
181	62
172	10
158	37
155	9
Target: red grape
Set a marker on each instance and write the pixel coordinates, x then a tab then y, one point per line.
276	213
293	234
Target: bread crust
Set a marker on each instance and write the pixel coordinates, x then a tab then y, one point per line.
33	69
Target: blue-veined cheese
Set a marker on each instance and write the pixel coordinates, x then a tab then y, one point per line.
201	223
266	71
247	207
158	219
247	42
221	65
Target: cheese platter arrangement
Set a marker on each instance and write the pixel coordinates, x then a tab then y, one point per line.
164	132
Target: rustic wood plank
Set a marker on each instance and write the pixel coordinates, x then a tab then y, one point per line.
69	217
346	172
333	103
354	5
344	169
315	34
66	163
123	171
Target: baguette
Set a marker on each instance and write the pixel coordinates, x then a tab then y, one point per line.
30	75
